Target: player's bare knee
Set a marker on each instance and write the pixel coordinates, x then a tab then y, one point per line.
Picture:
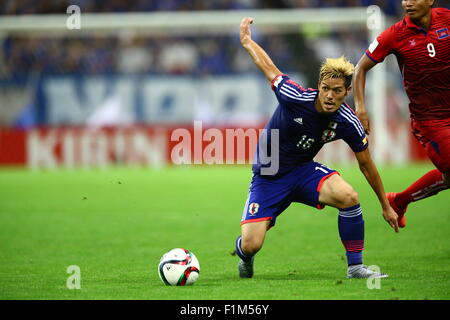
352	198
251	245
349	198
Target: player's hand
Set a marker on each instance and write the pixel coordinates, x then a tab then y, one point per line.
391	218
245	32
364	118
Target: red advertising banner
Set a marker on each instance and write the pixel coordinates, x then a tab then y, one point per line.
52	147
75	147
13	147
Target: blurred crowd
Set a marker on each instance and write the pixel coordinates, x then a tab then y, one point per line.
390	7
25	60
23	56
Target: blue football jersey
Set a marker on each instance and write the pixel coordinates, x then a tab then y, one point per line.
301	130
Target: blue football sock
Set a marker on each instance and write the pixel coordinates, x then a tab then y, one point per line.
351	231
245	257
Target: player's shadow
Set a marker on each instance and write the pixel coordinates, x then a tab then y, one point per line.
283	276
296	276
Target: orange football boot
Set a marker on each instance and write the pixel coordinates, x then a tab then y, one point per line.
401	212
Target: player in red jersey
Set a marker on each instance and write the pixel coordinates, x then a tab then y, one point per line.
421	43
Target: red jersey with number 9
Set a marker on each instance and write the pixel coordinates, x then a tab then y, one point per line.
424	60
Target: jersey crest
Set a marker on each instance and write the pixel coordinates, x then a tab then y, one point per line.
328	135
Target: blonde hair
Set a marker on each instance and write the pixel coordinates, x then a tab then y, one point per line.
338	68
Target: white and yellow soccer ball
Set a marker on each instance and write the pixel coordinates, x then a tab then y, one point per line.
179	267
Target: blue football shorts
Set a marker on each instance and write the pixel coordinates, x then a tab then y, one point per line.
269	197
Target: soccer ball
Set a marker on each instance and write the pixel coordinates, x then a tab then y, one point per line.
179	267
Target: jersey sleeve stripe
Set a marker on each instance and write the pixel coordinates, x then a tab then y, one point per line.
289	95
355	118
355	123
291	90
352	122
296	92
309	94
350	113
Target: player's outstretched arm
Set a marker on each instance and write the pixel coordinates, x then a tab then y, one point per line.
368	168
259	56
359	85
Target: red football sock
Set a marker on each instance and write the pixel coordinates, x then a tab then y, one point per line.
428	185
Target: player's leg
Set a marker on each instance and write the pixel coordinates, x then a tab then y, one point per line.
253	235
336	192
435	138
248	244
323	186
426	186
267	199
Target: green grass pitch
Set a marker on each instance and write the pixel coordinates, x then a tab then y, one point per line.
116	224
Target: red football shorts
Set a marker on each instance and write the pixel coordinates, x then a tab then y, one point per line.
434	136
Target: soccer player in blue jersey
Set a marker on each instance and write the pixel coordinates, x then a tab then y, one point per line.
303	122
